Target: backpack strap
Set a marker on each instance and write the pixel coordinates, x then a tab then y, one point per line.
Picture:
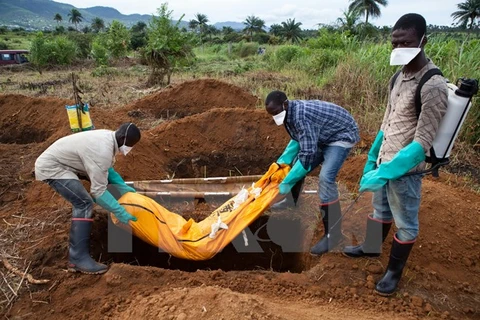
418	99
394	79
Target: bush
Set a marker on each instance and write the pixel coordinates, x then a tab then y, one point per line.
3	46
243	49
328	40
53	51
59	30
261	38
138	40
39	51
323	59
99	52
118	39
83	42
286	54
64	51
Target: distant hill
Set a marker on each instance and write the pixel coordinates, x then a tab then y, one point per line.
235	25
38	15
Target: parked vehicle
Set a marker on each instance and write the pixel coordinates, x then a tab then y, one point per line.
13	56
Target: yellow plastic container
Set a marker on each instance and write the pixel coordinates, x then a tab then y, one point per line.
79	118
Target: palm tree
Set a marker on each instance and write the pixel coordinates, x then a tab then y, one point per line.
291	30
98	24
75	17
211	30
275	29
193	25
253	24
468	11
58	18
367	7
139	27
201	21
227	30
349	21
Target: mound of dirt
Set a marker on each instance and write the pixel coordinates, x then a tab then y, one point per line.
215	302
192	97
26	120
218	142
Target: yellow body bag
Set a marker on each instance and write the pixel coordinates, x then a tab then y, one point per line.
198	240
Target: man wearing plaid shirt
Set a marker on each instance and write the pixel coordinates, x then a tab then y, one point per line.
321	133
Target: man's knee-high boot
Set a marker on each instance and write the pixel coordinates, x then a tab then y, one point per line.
332	222
376	233
398	259
79	251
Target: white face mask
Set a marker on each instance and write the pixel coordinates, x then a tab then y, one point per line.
124	149
280	118
403	56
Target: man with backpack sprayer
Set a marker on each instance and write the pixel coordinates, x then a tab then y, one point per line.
399	148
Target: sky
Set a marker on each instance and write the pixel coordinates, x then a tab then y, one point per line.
309	12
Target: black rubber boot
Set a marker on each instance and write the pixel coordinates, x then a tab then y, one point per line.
332	222
79	256
376	233
398	258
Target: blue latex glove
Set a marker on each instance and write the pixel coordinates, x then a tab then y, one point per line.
405	160
373	153
115	178
108	202
297	173
289	153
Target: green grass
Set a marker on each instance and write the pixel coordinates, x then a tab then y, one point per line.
351	73
14	40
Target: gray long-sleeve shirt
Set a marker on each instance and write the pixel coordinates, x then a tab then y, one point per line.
90	153
400	125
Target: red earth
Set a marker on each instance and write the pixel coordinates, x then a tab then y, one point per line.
207	127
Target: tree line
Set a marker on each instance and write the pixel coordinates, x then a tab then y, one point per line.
165	45
466	17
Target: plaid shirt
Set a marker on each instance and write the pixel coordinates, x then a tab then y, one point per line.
315	123
400	125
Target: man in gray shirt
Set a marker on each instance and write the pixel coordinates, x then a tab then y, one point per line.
91	154
400	148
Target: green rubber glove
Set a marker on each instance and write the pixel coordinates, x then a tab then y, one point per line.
115	178
373	153
295	175
289	153
405	160
108	202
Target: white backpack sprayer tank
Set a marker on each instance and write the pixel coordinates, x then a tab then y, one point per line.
459	103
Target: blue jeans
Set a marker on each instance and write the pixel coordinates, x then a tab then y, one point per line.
74	192
331	158
400	199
